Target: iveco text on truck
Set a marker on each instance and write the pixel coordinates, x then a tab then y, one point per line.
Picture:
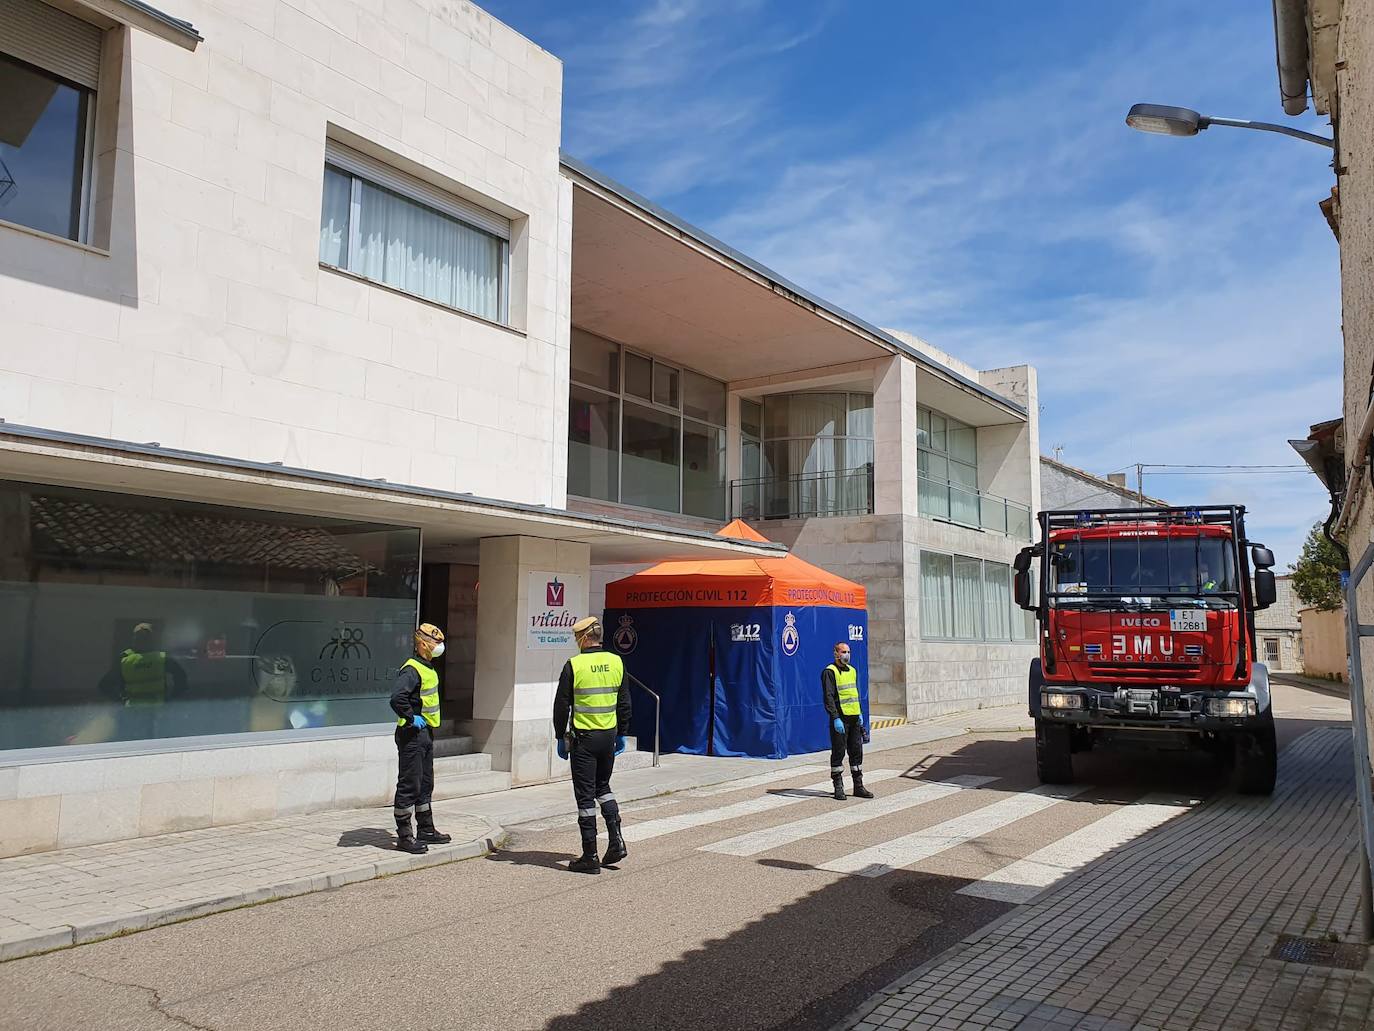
1147	637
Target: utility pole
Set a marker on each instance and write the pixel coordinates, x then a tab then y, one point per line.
1140	485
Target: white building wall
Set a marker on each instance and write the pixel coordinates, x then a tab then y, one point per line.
207	322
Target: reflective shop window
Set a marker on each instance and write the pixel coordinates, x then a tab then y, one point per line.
125	618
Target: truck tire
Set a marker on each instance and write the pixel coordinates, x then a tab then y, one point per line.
1257	761
1053	752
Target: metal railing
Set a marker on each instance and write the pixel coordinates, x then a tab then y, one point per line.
957	503
840	492
658	707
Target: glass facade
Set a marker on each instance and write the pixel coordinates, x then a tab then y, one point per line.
642	432
125	618
806	454
43	149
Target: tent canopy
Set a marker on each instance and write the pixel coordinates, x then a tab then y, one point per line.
735	647
735	583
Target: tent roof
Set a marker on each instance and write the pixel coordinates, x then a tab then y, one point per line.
735	582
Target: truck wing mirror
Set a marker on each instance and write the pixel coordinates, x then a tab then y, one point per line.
1261	557
1022	562
1266	592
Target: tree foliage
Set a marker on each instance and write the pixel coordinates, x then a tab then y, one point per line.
1317	574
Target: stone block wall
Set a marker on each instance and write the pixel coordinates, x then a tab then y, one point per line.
203	320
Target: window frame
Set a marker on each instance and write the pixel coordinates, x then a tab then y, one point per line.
620	394
356	169
1012	608
84	188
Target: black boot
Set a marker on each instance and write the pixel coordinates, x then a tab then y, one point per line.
427	832
587	861
405	840
859	790
838	780
615	850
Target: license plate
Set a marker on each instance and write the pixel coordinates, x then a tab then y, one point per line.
1187	619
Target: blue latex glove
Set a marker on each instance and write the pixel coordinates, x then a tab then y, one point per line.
838	725
418	722
866	728
620	744
562	747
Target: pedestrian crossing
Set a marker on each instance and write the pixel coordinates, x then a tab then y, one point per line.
749	807
988	811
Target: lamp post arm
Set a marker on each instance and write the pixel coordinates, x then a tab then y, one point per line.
1241	123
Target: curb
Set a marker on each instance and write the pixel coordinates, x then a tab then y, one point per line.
53	939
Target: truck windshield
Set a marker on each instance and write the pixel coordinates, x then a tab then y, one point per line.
1144	565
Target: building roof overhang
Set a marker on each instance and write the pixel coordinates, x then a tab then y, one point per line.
643	276
450	521
137	15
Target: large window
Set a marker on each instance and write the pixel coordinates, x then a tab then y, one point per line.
970	599
125	618
806	454
386	227
947	462
643	432
49	68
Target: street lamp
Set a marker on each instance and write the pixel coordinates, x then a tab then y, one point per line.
1180	121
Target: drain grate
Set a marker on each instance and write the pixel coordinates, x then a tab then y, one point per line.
1318	953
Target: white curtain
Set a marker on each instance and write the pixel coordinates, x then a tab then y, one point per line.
968	598
334	218
936	595
420	251
997	600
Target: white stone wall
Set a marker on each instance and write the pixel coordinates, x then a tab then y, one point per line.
63	804
205	322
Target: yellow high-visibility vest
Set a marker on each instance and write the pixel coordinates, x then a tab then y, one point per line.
846	688
145	677
596	689
429	693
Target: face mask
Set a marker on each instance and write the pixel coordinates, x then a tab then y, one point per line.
438	650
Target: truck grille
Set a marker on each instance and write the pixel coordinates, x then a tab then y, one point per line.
1170	671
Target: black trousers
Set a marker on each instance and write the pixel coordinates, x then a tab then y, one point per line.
853	740
414	773
593	759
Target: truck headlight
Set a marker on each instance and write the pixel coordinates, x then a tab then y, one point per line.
1060	700
1232	707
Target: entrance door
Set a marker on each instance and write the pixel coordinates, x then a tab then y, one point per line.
448	599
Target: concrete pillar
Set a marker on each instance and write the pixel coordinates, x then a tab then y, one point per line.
894	437
516	672
1018	470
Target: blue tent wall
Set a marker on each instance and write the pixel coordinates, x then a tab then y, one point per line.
803	725
767	703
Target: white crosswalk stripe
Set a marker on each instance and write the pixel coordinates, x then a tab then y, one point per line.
1027	877
912	848
756	781
775	837
748	807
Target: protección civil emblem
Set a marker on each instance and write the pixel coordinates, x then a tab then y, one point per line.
791	639
625	636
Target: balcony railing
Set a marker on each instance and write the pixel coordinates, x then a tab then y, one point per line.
842	492
968	506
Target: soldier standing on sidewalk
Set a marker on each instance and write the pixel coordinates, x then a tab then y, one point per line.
840	687
415	701
592	690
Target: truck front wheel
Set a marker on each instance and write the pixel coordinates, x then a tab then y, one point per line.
1053	752
1257	760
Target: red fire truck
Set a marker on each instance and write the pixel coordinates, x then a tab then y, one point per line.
1147	637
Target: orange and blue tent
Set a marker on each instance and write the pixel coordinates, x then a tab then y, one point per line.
735	648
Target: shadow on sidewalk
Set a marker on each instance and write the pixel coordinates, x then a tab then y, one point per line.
377	837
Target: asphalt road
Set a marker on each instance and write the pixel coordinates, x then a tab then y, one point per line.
758	935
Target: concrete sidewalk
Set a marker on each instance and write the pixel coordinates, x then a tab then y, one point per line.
1178	928
51	900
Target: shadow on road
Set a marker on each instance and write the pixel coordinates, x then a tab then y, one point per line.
548	860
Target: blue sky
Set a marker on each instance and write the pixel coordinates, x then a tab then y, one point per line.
963	171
